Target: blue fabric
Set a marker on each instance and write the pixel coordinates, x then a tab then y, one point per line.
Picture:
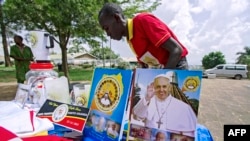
202	134
59	130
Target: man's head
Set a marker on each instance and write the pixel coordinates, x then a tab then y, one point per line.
61	111
106	95
18	39
112	20
113	126
161	87
178	137
160	136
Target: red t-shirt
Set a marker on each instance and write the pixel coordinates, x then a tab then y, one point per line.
148	34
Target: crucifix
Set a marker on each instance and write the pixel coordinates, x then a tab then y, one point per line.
159	123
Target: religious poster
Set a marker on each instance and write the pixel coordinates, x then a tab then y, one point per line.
164	104
66	115
109	94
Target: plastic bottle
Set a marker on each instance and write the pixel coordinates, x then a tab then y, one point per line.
39	71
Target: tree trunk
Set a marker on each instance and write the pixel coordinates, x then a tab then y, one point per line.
4	40
63	46
65	62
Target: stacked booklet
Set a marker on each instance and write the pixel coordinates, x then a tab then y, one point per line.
109	94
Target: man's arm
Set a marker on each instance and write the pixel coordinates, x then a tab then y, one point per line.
13	54
17	58
21	59
175	51
141	108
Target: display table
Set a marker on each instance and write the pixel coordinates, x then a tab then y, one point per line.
202	133
14	119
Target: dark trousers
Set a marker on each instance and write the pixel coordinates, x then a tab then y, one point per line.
182	64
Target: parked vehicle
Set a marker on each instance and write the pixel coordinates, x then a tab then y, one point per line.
236	71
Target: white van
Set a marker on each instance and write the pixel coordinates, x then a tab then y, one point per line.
236	71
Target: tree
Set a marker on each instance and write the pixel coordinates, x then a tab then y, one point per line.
76	46
67	18
104	53
213	59
3	24
244	57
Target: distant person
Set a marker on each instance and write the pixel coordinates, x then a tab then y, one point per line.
152	41
112	131
22	56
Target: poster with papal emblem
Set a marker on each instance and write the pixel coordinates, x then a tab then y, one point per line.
109	94
164	105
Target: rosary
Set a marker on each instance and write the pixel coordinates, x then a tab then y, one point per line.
160	117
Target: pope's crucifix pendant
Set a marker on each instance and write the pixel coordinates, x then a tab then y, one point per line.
159	123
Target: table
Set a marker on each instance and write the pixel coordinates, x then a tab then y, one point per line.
202	133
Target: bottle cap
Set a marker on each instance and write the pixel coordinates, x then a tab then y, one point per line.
41	65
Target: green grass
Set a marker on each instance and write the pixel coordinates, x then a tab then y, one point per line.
79	74
7	74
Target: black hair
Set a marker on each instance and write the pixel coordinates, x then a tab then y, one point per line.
20	37
109	9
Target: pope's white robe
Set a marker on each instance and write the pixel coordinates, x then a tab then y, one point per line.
105	101
112	132
179	117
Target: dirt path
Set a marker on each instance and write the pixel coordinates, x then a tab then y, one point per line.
7	91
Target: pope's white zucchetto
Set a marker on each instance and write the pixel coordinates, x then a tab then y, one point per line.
167	75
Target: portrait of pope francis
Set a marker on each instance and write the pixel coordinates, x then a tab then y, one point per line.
161	110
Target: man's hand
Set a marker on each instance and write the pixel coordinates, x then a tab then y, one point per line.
150	92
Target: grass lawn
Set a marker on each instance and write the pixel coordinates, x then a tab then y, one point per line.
7	74
78	74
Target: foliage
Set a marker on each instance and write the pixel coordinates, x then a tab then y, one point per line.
244	57
104	53
123	65
136	93
87	66
67	18
213	59
76	46
195	104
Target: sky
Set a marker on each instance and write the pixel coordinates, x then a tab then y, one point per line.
203	26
